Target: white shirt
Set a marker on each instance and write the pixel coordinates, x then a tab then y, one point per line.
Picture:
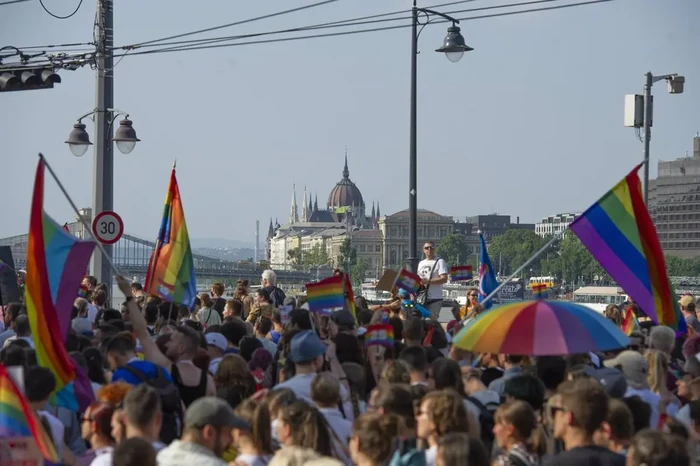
57	430
253	460
301	386
103	457
424	268
15	337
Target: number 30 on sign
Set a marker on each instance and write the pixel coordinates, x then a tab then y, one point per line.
107	227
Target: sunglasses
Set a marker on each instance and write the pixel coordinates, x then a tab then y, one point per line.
428	247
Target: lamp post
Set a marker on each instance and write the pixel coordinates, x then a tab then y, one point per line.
675	86
453	47
103	182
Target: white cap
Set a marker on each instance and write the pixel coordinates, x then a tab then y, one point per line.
216	339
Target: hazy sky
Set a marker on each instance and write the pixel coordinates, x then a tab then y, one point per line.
529	124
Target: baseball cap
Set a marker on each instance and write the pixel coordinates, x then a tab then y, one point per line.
612	380
216	339
212	411
305	347
686	300
633	366
343	319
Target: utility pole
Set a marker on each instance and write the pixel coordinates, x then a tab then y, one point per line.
103	175
413	157
647	133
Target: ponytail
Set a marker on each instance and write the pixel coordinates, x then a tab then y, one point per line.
257	414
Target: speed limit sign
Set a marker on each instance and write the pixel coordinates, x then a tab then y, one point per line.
108	227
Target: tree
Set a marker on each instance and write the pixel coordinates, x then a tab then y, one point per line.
294	257
263	264
510	250
316	257
358	272
454	249
347	256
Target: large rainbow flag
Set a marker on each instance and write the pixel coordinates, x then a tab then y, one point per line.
17	419
56	262
619	233
171	268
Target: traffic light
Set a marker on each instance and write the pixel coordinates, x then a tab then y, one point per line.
27	79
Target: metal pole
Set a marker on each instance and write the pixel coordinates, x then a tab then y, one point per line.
103	175
647	133
413	168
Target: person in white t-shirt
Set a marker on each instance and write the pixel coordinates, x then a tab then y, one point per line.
433	271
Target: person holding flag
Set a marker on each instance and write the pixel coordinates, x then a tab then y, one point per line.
487	278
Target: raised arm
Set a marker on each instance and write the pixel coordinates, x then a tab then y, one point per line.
138	322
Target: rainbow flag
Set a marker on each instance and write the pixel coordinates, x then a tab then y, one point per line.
380	335
327	294
17	419
630	324
350	296
539	291
3	266
461	273
619	233
82	291
170	272
408	281
56	262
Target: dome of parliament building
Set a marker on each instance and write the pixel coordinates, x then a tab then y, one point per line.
345	193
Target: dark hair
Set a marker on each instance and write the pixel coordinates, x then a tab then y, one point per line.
265	295
641	412
234	331
101	414
168	311
300	318
460	448
413	329
39	383
415	357
236	307
247	347
527	388
134	451
22	326
448	374
122	344
191	338
13	311
95	365
551	370
257	415
151	314
13	355
264	325
654	448
587	402
109	315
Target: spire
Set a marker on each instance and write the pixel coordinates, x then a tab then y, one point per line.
346	172
378	214
373	212
271	229
316	203
293	214
311	207
304	212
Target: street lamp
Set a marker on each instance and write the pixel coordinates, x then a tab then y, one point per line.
125	136
639	114
453	47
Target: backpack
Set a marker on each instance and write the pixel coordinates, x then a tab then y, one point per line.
277	296
406	453
486	420
170	401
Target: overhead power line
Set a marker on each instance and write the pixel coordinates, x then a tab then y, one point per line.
10	2
362	31
237	23
80	3
340	24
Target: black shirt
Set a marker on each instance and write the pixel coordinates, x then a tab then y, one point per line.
590	455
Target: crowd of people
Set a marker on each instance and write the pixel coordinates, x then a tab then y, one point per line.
236	381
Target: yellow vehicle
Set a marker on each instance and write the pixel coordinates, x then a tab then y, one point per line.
551	282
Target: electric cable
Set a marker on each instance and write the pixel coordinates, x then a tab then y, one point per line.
10	2
338	24
61	17
362	31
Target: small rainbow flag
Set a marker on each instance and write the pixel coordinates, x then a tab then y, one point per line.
619	233
380	335
630	323
326	295
82	291
55	264
539	291
3	266
461	273
170	272
17	419
408	281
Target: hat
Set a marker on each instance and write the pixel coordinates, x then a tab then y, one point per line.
633	366
612	380
305	347
212	411
216	339
403	293
686	300
343	319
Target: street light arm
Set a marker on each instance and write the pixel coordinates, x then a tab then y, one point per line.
655	79
116	112
437	13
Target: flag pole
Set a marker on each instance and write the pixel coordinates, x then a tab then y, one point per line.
519	269
77	212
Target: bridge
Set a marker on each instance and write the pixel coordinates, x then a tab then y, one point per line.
131	256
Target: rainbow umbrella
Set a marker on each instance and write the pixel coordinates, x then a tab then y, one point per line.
540	328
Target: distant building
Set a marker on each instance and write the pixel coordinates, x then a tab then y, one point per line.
674	204
394	228
555	223
492	225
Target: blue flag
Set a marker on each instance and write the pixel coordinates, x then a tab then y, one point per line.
487	278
